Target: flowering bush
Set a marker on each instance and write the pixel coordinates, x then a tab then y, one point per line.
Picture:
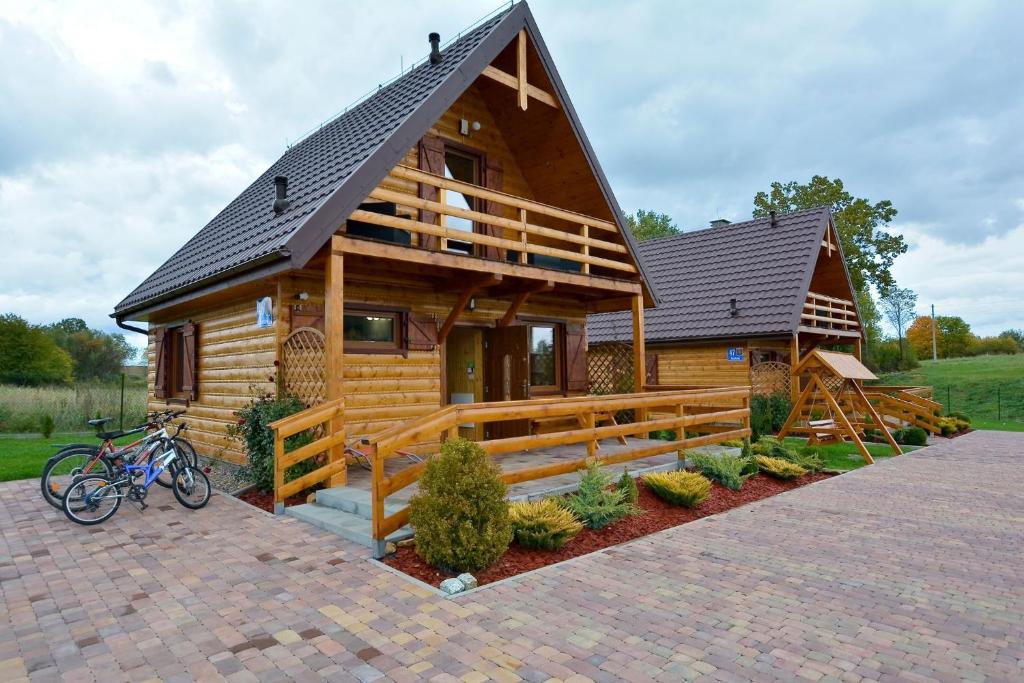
258	439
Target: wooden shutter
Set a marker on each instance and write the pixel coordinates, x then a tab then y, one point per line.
163	365
422	333
651	372
494	179
431	160
576	379
189	358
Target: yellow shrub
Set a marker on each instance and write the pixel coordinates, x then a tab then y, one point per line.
688	489
542	524
777	467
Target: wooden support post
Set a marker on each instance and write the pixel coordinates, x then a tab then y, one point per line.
875	417
840	417
278	476
523	237
442	216
680	435
589	422
520	299
282	324
521	70
585	232
794	360
334	332
858	349
639	356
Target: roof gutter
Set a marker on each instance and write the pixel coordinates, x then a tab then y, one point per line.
130	328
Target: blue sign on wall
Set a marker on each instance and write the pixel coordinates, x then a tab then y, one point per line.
735	354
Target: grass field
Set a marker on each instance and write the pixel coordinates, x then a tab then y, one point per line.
844	457
22	409
23	458
988	389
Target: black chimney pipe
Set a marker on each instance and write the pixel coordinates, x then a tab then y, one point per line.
435	48
733	308
281	201
771	215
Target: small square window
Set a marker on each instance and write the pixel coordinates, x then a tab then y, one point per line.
372	330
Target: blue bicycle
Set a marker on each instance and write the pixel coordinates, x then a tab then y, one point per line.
94	498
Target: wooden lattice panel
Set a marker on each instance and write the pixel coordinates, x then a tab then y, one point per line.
305	365
770	377
610	368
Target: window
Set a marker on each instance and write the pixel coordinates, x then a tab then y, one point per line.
465	168
176	362
544	357
176	368
373	330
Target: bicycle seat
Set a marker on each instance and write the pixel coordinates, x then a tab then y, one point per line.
103	436
100	421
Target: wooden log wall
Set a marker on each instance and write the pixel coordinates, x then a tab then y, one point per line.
706	365
236	361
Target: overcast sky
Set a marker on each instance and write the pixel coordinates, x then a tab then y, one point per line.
125	126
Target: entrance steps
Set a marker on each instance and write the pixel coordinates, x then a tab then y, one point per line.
346	512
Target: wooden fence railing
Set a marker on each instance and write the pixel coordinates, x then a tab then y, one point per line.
573	240
829	312
687	410
325	415
899	406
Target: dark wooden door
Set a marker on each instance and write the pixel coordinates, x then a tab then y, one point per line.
507	357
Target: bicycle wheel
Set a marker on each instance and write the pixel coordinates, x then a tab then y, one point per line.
186	451
92	499
191	487
63	469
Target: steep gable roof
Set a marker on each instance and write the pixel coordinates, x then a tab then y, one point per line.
331	171
766	268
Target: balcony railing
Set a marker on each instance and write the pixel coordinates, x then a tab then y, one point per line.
827	313
540	234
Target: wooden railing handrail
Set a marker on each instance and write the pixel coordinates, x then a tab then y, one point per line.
303	420
415	174
824	297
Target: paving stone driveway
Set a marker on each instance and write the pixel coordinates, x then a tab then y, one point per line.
908	570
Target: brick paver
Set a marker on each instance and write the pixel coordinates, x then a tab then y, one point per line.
909	570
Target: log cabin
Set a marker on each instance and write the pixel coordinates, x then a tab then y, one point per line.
742	304
417	269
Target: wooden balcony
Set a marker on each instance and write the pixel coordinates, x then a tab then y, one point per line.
539	235
829	316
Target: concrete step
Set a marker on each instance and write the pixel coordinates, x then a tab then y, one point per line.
345	524
354	501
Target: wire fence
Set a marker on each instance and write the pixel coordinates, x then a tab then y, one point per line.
983	400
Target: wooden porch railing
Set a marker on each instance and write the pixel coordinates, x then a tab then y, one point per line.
567	235
687	410
899	406
324	414
830	313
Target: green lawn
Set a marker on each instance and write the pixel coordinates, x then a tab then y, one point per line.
845	456
988	389
23	458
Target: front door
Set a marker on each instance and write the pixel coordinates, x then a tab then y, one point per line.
507	375
464	372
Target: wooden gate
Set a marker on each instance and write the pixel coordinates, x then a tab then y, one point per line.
305	365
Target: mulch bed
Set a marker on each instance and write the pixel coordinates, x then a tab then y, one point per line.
265	501
657	515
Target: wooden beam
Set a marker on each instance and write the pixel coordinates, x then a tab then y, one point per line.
334	332
520	299
839	416
375	249
462	302
511	81
794	360
484	282
875	417
639	355
608	305
521	69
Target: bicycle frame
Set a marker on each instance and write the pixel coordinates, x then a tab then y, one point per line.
154	468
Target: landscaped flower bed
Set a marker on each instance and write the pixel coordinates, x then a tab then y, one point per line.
655	515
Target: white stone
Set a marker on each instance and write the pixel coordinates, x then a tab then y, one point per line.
468	580
452	586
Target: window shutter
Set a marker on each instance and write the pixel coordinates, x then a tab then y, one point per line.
163	365
422	332
189	358
494	179
431	160
651	373
576	358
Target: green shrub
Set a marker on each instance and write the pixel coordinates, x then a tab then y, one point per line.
807	458
627	485
959	416
733	443
687	489
726	469
258	439
779	468
768	413
595	504
913	436
46	426
747	451
460	515
542	524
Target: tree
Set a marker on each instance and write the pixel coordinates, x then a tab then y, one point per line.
919	336
1015	335
646	225
28	356
898	306
953	337
869	251
95	354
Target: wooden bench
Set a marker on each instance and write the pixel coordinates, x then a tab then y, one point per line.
827	433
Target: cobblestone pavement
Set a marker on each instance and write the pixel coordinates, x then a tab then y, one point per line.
909	570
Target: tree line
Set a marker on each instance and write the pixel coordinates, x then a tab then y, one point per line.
59	353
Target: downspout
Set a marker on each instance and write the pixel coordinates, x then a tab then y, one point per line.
123	326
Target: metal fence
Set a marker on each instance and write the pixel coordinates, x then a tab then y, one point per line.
983	400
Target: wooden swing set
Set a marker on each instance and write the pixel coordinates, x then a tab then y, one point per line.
834	416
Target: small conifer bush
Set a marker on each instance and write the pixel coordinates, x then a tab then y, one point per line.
460	515
597	503
779	468
687	489
726	469
542	524
627	485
